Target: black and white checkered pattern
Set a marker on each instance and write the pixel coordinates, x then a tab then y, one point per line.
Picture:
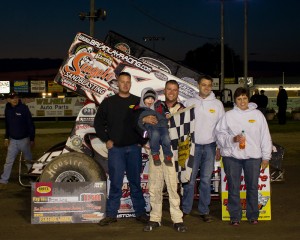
182	124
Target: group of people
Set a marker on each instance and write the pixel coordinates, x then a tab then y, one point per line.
125	122
261	100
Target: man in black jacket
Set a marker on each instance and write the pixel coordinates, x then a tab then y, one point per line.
282	98
19	135
115	124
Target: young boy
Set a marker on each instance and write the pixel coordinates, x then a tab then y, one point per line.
158	134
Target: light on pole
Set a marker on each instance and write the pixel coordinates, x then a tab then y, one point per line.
93	16
153	39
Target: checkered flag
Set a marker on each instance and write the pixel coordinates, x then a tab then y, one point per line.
182	128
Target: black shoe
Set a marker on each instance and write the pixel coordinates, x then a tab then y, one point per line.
151	225
179	227
184	214
106	221
144	218
207	218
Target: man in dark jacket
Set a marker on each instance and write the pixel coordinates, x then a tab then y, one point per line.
282	98
19	135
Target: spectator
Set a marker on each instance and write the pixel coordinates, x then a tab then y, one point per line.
263	102
282	98
114	125
255	98
158	175
208	111
257	152
19	134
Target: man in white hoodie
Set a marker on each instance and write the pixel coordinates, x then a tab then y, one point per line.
208	111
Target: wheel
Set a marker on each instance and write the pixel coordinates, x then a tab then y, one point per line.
72	167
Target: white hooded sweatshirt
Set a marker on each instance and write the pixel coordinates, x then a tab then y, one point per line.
253	122
208	111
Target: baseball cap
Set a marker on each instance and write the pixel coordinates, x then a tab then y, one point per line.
12	95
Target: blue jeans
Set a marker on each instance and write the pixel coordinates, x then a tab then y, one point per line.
204	160
14	148
159	136
233	169
125	159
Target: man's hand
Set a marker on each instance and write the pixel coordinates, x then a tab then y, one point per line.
264	164
6	142
109	144
150	120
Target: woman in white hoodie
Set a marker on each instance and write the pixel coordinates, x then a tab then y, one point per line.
255	155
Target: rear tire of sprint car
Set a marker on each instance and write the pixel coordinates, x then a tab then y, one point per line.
72	167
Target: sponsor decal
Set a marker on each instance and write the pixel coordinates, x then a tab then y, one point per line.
123	47
69	84
43	189
104	58
262	201
82	126
185	90
55	219
76	141
89	111
155	63
86	119
161	76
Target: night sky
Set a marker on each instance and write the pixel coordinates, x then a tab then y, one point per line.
45	29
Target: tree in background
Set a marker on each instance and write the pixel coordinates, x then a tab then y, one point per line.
207	59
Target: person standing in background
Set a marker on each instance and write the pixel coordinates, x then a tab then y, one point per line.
263	102
282	98
19	134
256	97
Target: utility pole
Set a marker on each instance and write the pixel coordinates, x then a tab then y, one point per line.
222	83
92	18
245	44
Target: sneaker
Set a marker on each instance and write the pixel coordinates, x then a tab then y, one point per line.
106	221
144	218
156	159
253	221
207	218
168	161
179	227
151	225
234	223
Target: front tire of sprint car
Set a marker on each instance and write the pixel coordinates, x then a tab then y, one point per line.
72	167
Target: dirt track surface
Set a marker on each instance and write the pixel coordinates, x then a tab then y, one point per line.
15	202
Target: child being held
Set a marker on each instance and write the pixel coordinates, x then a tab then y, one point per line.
159	133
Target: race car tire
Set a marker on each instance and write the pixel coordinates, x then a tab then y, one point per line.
72	167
